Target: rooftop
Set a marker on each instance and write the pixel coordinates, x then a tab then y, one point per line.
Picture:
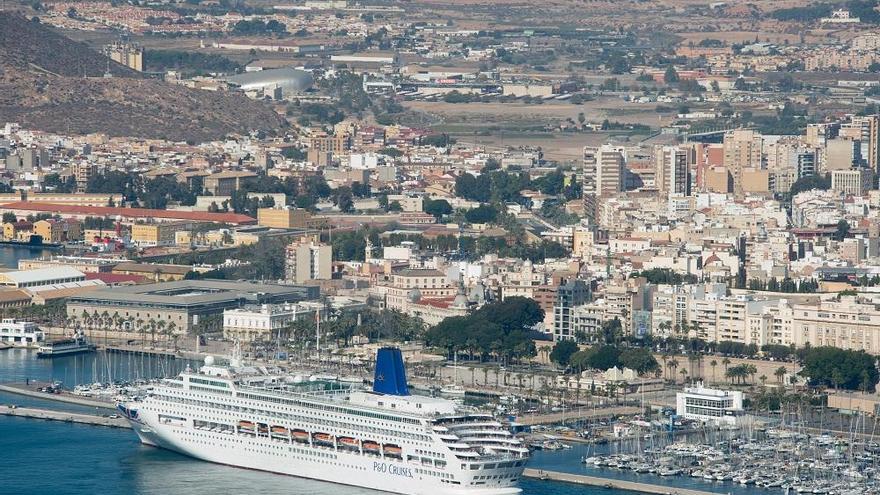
131	213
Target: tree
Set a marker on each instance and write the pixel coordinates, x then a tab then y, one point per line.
395	206
780	373
840	368
671	75
481	214
562	352
436	207
713	363
842	230
639	359
9	217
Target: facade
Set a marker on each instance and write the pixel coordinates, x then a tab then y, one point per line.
709	405
83	264
263	323
603	176
32	279
127	54
57	231
569	295
186	304
286	218
742	150
306	260
158	234
20	333
855	182
226	182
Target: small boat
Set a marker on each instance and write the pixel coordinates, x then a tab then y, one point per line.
349	442
65	347
246	426
370	446
279	431
323	438
392	450
300	436
456	390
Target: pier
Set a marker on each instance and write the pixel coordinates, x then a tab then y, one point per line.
21	389
611	483
48	415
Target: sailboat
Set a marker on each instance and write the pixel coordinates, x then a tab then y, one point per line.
455	389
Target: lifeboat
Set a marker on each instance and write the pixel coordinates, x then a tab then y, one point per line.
370	446
262	428
323	438
279	431
392	450
245	425
348	442
300	436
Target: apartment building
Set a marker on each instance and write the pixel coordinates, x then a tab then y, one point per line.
306	260
742	150
603	176
158	234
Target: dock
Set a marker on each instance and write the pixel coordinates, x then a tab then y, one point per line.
21	389
48	415
578	479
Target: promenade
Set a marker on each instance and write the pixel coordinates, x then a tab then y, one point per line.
611	483
67	417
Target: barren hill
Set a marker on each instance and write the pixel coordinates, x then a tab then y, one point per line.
50	82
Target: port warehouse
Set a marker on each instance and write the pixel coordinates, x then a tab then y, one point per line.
185	303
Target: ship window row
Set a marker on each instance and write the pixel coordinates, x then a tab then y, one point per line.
214	383
213	391
328	408
304	420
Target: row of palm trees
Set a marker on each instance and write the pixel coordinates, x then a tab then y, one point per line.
105	321
735	374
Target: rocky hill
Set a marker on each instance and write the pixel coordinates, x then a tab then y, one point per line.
52	83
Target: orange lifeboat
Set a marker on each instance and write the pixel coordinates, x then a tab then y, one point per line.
279	430
370	446
323	438
300	436
245	425
392	450
349	442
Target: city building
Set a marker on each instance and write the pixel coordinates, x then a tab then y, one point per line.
33	279
265	322
186	304
742	150
709	405
569	295
306	260
158	234
855	182
127	54
603	176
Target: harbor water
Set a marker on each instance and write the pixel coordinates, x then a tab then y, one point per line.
60	458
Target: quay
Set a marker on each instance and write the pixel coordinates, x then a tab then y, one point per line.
21	389
48	415
578	479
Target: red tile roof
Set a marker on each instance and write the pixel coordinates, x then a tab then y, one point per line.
115	278
109	211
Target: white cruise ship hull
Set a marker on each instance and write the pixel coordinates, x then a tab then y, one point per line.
302	460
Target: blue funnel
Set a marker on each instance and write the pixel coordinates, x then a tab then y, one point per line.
390	376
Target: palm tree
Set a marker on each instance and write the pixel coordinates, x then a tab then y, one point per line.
763	379
713	363
151	324
673	363
684	375
780	373
139	327
726	363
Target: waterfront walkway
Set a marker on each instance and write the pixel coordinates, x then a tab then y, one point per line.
46	414
576	414
21	389
611	483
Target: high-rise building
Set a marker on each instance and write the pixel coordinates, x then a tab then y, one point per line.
742	150
865	128
127	54
854	182
307	260
82	172
570	294
603	176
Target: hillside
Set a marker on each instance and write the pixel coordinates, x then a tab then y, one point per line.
52	83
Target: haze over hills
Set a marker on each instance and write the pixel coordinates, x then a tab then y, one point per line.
52	83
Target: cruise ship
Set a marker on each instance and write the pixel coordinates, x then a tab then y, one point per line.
384	439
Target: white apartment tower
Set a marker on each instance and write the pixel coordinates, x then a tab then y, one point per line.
603	175
308	260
